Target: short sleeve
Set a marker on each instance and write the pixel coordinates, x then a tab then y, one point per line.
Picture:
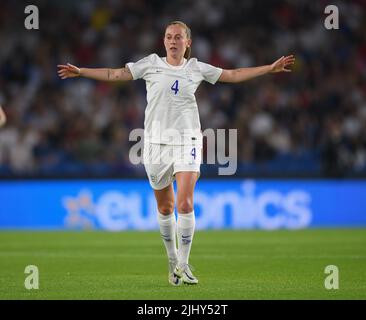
209	73
139	69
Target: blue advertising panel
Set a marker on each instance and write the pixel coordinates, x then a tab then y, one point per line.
235	204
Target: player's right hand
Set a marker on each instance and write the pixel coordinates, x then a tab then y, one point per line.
68	71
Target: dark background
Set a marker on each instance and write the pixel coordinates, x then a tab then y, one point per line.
308	123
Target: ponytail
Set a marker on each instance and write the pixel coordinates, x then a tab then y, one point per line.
187	54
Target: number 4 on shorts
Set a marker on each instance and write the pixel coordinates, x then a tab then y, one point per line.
193	153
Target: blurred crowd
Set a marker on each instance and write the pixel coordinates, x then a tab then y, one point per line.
308	122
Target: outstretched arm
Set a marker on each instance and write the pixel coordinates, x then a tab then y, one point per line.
2	117
243	74
103	74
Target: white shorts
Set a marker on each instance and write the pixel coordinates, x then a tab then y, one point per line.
163	161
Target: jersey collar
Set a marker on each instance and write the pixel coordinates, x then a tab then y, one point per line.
175	67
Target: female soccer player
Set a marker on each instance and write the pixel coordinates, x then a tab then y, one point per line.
172	136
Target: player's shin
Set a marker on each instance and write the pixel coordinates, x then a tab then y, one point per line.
185	232
168	233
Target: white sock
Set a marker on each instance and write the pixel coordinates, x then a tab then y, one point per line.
168	233
185	231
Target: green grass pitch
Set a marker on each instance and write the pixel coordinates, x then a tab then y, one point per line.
229	264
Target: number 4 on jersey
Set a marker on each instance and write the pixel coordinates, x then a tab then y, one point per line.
193	153
174	87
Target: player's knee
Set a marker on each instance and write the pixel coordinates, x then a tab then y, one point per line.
185	205
166	207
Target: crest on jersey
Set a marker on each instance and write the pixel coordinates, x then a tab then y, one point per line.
153	178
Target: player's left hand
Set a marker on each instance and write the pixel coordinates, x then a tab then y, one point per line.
2	117
281	64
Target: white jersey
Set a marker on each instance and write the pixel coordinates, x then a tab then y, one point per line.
171	115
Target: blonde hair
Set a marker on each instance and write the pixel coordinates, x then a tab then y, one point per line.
187	53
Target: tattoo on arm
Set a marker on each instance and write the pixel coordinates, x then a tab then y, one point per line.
118	74
125	71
